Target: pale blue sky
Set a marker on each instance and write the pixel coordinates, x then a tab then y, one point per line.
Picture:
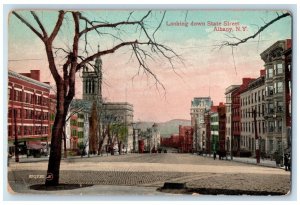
206	71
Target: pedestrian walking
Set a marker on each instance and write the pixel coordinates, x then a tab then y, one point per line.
289	162
215	155
286	162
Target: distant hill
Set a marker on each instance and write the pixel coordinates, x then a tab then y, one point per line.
165	128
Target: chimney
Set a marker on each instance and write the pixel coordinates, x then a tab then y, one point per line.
288	43
262	73
35	74
247	80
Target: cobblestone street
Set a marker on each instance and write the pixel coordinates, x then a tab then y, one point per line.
151	171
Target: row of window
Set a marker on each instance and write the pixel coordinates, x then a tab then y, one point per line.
248	112
27	114
249	127
75	133
275	70
76	123
271	126
253	98
272	145
249	143
90	86
27	130
261	110
273	89
272	108
16	95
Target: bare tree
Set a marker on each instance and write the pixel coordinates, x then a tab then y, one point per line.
142	50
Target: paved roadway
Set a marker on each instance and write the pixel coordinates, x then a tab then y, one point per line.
144	173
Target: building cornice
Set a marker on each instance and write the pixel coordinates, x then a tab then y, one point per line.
27	79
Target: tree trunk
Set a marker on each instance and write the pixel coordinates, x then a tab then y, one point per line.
101	142
120	147
62	107
65	142
52	178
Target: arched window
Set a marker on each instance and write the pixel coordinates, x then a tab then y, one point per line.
86	86
93	86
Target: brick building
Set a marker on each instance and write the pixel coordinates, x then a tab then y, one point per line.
185	139
228	105
236	115
182	141
28	111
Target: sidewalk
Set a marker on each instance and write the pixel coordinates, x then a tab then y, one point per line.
25	159
263	162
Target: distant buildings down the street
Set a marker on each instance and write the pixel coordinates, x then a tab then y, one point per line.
183	141
199	106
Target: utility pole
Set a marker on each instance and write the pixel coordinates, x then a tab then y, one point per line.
257	150
196	135
16	137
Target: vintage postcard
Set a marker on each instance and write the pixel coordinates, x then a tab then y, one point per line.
149	102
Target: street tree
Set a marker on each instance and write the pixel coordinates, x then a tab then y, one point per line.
121	132
143	47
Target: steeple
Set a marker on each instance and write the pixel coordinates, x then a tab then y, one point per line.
92	81
98	63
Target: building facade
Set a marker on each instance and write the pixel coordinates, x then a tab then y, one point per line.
199	106
236	116
119	114
276	97
77	125
185	139
288	95
253	99
28	111
217	128
228	107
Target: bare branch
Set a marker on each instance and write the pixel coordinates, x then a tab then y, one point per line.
112	50
233	60
28	25
39	23
262	28
162	19
57	25
62	49
114	25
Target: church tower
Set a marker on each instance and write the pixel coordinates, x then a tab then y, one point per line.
92	82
